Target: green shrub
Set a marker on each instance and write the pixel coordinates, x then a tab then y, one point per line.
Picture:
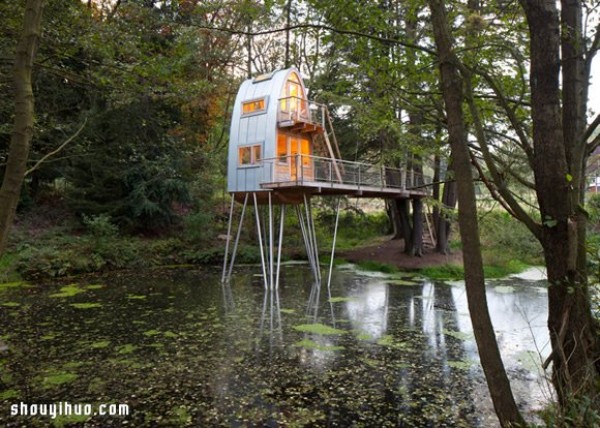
100	226
505	239
199	226
592	206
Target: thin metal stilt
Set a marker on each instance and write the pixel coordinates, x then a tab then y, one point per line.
281	224
307	240
228	238
310	226
260	241
237	238
271	243
335	229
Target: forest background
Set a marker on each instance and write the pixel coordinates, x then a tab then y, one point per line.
132	101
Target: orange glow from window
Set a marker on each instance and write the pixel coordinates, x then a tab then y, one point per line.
253	106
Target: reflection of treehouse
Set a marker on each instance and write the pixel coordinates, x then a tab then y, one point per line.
276	133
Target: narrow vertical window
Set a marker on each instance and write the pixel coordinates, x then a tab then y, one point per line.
282	148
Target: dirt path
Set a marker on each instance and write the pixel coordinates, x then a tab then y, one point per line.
391	252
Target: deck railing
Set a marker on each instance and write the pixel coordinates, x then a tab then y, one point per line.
296	109
310	170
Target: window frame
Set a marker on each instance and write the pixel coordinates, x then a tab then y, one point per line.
255	152
263	110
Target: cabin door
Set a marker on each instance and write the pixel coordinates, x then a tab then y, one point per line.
295	162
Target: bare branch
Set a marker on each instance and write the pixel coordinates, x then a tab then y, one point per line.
317	27
52	153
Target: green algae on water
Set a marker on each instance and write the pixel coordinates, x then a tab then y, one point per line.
318	329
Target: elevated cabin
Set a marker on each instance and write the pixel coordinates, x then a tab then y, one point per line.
272	132
283	144
282	150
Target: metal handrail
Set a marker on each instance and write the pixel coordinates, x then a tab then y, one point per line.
303	169
301	109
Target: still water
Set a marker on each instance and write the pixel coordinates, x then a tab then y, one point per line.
180	349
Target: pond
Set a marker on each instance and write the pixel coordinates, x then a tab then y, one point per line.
179	349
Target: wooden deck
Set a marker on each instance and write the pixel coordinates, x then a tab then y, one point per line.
289	179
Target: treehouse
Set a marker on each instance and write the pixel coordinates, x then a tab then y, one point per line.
282	151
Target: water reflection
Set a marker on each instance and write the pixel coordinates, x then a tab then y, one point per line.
370	350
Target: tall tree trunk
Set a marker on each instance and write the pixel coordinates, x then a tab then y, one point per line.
417	230
20	139
443	225
403	209
492	364
559	155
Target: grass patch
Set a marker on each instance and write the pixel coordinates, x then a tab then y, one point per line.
457	272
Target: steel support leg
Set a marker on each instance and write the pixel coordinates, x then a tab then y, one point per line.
225	257
260	241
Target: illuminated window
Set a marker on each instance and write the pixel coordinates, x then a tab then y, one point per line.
256	157
250	155
254	106
282	148
245	155
305	150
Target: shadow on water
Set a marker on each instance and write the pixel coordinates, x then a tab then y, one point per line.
182	350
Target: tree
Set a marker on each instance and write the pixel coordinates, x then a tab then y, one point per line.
24	115
491	361
542	130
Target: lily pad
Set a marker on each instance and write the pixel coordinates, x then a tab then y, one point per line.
11	305
318	329
100	345
15	284
58	378
68	291
461	365
150	333
457	334
126	349
86	305
94	286
389	341
9	393
340	299
136	297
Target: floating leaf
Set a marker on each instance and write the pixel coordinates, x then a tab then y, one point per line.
100	345
340	299
390	342
457	334
461	365
136	296
10	393
318	329
58	378
150	333
15	284
126	349
86	305
68	291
